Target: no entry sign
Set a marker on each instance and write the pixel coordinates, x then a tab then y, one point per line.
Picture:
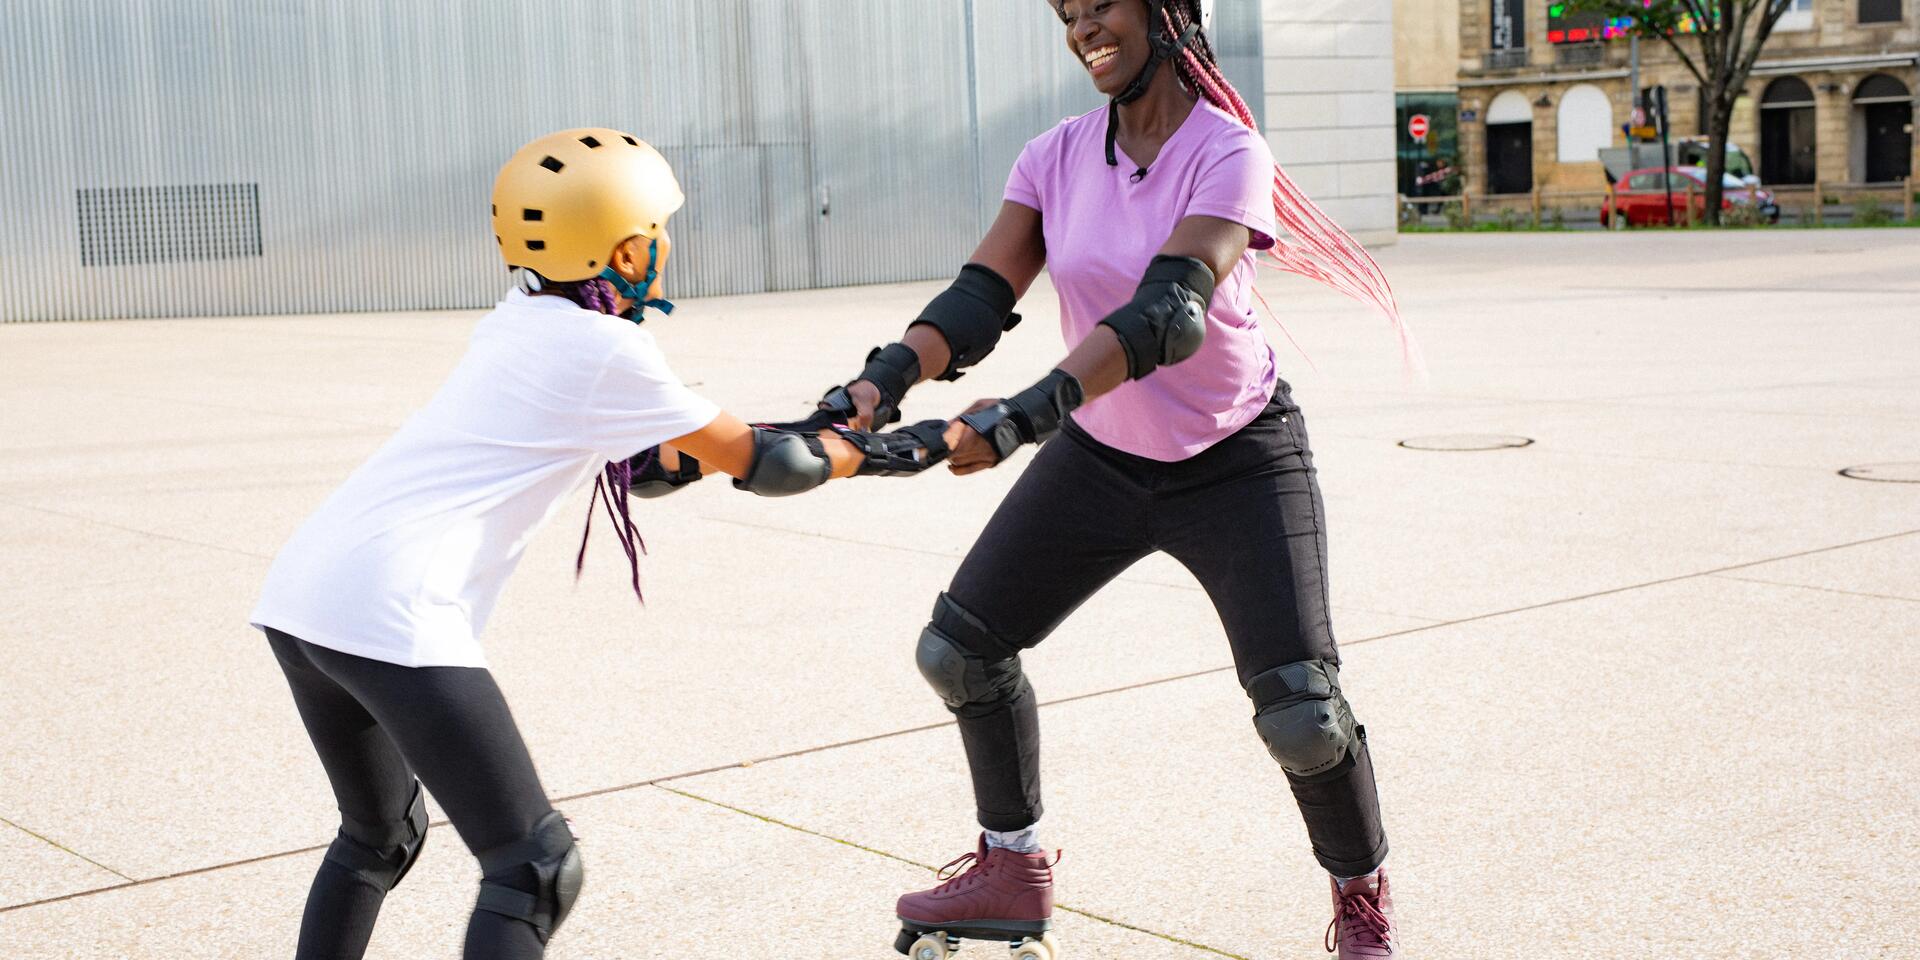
1417	126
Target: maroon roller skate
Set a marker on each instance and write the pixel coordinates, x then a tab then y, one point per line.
990	894
1362	927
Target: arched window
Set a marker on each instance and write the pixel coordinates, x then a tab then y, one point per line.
1787	92
1882	130
1786	132
1880	88
1510	107
1586	124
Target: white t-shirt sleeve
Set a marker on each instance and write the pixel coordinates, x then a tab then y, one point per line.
640	403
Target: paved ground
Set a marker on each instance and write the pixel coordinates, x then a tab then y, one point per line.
1643	688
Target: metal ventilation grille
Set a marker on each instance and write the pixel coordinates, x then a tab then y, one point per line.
121	226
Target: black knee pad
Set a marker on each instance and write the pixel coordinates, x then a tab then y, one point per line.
546	860
381	853
949	657
1302	717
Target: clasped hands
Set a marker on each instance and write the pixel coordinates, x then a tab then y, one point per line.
850	413
968	450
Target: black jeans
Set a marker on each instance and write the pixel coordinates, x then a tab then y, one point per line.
376	727
1244	516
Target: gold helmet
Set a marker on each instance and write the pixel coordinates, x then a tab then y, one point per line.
564	201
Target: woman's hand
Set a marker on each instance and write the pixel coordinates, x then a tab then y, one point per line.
971	451
866	400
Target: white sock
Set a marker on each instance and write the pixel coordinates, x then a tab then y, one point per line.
1342	881
1019	841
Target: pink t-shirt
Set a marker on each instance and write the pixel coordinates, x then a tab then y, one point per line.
1101	230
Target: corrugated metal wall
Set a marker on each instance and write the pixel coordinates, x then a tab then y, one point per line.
336	155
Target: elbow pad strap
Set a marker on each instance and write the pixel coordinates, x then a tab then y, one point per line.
1166	321
971	314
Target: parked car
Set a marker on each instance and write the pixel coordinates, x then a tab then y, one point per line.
1641	197
1692	152
1686	152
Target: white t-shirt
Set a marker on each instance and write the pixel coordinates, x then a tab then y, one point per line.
404	562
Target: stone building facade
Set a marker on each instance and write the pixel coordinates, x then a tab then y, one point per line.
1330	109
1830	100
1426	95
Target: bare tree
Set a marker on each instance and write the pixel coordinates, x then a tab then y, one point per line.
1728	35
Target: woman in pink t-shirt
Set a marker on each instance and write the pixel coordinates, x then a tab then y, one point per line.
1179	436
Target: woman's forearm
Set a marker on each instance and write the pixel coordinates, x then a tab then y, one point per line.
1099	362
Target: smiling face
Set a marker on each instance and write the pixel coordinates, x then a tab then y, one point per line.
1109	38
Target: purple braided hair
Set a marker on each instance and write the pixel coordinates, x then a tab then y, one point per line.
591	294
613	483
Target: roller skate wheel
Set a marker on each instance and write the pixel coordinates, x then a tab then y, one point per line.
1042	949
931	946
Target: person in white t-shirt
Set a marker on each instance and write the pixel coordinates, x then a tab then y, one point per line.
375	606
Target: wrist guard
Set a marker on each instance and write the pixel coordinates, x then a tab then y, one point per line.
1030	416
901	452
893	370
652	479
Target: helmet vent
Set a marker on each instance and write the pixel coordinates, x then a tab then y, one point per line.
533	216
552	164
591	142
536	244
631	142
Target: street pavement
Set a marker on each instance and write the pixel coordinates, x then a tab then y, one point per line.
1645	686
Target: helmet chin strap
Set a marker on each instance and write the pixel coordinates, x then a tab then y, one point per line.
638	292
1160	49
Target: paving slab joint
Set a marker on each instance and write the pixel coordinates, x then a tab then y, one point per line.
875	851
63	848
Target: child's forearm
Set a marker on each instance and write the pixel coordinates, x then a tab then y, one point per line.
845	457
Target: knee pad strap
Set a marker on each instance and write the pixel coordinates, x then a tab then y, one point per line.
549	858
381	853
1302	717
949	657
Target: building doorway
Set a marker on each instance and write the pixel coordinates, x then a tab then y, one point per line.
1510	144
1787	132
1882	129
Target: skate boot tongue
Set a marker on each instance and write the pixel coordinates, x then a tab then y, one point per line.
1362	924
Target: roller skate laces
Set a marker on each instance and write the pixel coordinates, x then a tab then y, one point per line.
992	895
1362	925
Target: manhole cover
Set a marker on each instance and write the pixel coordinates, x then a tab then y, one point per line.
1467	441
1908	472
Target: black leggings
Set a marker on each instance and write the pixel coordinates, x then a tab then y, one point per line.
1244	516
376	727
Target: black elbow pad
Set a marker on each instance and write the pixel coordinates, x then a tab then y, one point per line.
1166	321
785	463
971	314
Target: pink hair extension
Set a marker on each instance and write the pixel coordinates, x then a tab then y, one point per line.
1320	249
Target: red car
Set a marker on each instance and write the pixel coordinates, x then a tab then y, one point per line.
1641	197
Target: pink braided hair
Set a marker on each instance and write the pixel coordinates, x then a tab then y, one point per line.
1321	250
